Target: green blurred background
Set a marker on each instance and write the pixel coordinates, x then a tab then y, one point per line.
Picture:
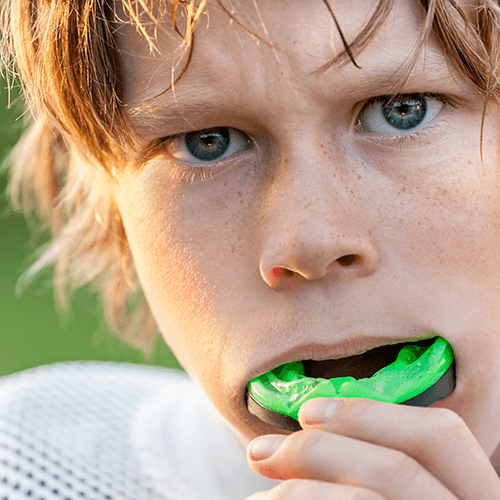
32	331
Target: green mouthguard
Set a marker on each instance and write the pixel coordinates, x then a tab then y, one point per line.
285	389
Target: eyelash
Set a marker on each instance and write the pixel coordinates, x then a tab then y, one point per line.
189	174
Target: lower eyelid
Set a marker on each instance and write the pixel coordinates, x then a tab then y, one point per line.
190	173
405	141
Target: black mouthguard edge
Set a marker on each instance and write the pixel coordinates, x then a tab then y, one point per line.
441	389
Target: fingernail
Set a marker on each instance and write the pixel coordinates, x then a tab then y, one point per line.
264	446
316	411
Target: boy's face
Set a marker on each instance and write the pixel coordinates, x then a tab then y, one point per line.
383	240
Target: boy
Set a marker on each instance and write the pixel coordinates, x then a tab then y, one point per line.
278	198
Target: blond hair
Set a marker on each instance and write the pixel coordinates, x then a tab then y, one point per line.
64	165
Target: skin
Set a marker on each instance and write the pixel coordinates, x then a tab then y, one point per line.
245	265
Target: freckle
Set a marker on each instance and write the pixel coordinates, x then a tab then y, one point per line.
225	183
403	189
359	177
239	193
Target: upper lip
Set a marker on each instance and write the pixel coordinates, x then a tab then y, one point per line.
344	349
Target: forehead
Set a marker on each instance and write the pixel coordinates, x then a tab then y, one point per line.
273	45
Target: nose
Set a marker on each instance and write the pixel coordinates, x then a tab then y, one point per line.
339	257
317	235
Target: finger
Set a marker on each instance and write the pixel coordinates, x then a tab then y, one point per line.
257	496
301	489
324	456
437	438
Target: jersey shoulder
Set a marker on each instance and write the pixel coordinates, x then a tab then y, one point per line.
66	430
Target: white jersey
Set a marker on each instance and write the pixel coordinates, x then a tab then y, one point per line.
116	431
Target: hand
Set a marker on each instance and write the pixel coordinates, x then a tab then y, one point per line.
368	450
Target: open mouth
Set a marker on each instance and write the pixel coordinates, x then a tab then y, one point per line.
361	365
416	373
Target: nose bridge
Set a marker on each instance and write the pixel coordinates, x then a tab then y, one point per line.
314	220
310	187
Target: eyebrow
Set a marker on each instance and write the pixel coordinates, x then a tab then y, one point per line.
171	115
176	113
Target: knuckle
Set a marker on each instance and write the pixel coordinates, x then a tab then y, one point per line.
445	423
354	413
391	464
360	408
306	444
451	420
405	467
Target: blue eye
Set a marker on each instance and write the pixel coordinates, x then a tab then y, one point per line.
207	145
389	114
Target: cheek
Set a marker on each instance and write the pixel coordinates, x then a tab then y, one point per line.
442	217
191	248
458	229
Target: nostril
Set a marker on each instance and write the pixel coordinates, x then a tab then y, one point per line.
278	272
348	260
